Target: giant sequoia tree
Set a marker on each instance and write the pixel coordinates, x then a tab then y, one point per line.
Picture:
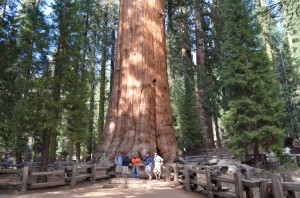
139	117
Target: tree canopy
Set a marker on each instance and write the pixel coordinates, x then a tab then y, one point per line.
233	74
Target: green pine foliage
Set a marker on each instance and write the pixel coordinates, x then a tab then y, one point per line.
75	91
289	80
290	59
189	117
8	58
50	67
32	65
255	108
279	21
182	76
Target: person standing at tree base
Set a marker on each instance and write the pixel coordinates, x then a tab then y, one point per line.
158	162
148	161
125	165
118	163
135	166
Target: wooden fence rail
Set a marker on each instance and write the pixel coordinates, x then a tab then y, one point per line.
68	175
212	183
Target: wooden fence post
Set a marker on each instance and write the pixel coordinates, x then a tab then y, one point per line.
187	159
73	176
295	160
249	190
263	189
187	178
94	173
277	187
175	167
168	172
25	179
238	185
288	178
209	184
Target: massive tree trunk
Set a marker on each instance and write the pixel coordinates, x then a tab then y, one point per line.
139	117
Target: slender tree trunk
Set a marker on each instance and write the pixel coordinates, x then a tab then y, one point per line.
53	146
103	76
77	147
19	149
90	62
91	121
60	60
263	22
200	54
217	132
70	149
92	102
170	12
3	8
112	52
56	96
210	143
27	65
290	38
112	58
44	156
256	155
139	118
202	73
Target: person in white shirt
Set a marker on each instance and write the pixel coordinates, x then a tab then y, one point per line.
158	162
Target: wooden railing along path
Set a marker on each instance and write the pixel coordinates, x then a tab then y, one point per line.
194	177
213	183
67	175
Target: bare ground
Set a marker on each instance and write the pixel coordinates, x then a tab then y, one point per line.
158	189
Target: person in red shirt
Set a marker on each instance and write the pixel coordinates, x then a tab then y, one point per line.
135	166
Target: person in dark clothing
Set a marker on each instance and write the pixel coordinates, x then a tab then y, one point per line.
148	161
125	165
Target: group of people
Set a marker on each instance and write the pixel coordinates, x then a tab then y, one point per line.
122	163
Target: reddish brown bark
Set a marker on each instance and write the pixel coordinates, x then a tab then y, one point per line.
139	117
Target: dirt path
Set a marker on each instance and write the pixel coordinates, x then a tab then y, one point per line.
156	190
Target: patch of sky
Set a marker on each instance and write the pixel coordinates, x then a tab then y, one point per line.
47	9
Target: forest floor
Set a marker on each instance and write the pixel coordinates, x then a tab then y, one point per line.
157	189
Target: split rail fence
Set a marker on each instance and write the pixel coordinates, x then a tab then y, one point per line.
213	183
25	178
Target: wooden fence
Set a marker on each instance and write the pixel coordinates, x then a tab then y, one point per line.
213	183
208	181
67	175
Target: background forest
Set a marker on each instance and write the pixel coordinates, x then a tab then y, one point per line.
233	74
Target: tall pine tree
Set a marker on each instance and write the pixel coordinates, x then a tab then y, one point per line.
255	108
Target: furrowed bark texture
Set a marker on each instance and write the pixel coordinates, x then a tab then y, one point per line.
139	117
